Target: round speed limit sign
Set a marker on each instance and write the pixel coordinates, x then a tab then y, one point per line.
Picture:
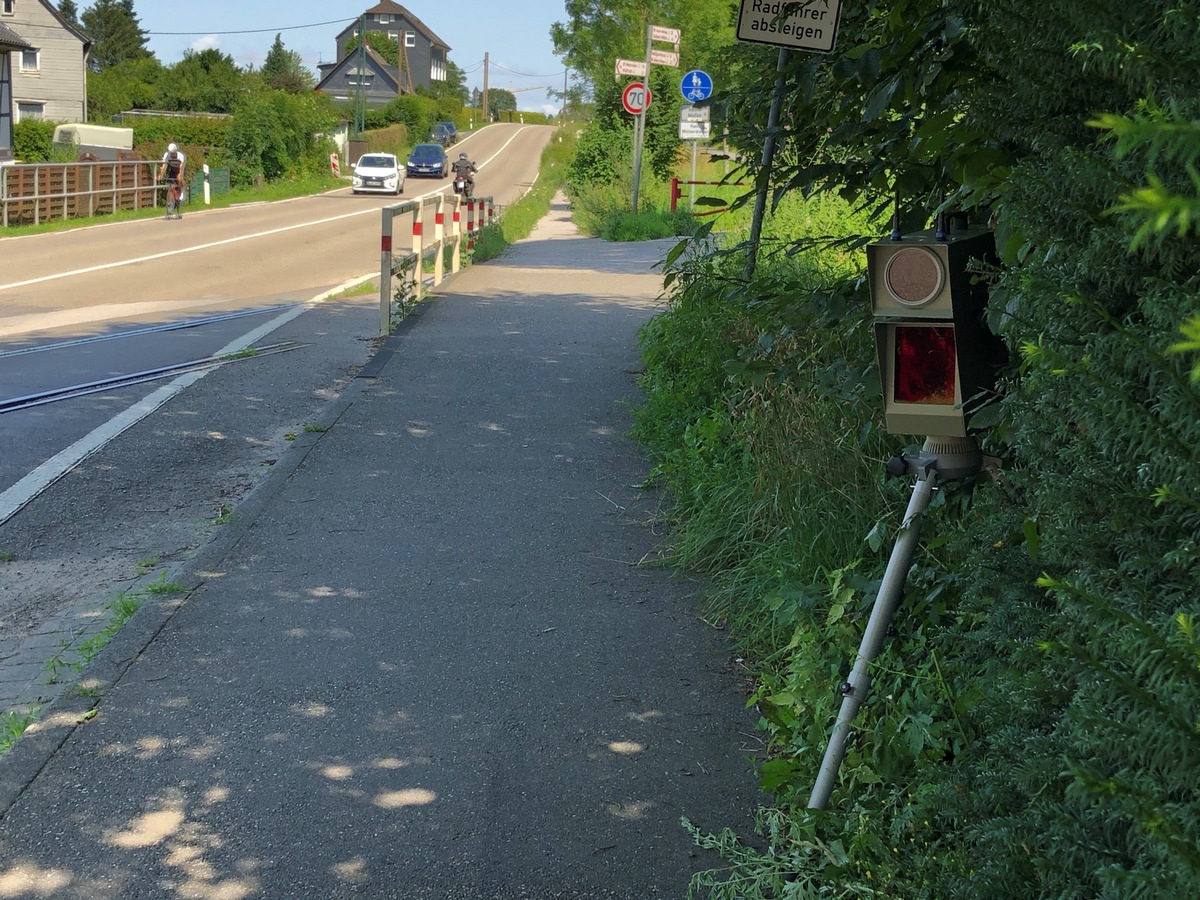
635	98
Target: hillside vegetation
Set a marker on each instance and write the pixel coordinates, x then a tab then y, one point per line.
1033	728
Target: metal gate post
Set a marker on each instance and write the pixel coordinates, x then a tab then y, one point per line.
385	273
418	250
439	238
455	259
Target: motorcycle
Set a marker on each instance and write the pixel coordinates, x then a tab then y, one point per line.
463	185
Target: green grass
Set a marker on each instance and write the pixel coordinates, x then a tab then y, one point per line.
519	219
13	725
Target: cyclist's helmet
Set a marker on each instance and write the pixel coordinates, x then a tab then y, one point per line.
462	156
171	148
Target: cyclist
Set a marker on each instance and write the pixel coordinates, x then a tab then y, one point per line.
171	171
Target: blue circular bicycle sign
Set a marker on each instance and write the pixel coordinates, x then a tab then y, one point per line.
696	86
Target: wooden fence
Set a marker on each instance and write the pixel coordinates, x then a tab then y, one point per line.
33	193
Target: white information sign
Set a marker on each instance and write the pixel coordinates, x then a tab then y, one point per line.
812	28
695	114
667	35
664	58
694	131
631	67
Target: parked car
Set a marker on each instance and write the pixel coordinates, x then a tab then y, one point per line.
428	160
377	173
445	133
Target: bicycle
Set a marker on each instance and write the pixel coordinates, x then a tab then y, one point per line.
174	198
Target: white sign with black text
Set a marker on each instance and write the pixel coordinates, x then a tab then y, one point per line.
812	27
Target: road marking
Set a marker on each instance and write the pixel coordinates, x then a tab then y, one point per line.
28	488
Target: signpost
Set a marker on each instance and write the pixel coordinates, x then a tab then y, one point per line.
636	103
812	27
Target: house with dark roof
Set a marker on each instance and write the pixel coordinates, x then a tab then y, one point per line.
10	43
423	58
48	74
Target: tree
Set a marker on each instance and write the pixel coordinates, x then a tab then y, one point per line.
132	84
455	85
69	11
387	47
500	102
284	70
115	32
208	81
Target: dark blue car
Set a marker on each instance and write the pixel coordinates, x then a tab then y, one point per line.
428	160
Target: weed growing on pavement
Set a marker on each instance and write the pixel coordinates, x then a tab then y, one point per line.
240	354
120	610
162	586
225	516
13	724
315	429
7	557
405	295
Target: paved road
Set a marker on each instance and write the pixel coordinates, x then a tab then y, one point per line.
423	660
115	520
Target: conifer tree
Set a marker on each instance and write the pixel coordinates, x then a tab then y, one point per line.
116	34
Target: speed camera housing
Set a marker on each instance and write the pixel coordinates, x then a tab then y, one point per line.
935	354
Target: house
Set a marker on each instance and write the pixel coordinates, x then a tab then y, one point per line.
423	58
49	75
10	43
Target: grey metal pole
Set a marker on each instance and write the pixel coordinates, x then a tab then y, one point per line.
640	124
760	202
855	690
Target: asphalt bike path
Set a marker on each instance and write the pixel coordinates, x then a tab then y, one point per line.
429	657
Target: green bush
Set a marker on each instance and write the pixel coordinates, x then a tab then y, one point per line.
33	140
1031	730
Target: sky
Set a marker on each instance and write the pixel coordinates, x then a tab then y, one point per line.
514	35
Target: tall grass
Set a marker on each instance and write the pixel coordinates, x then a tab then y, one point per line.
517	221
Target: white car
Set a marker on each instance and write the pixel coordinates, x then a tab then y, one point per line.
378	173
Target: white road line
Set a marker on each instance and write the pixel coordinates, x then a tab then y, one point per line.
24	491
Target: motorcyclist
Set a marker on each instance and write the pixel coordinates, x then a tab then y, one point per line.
464	167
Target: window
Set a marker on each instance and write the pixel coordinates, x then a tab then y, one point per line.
29	61
31	111
384	18
410	39
6	8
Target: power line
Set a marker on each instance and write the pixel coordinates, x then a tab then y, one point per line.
524	74
250	31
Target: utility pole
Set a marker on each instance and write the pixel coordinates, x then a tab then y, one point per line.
360	100
485	90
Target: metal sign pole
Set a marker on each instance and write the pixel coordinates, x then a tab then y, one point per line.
639	128
854	690
764	176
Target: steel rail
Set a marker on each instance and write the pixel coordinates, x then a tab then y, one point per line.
13	404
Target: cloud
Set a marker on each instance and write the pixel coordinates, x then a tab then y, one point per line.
208	42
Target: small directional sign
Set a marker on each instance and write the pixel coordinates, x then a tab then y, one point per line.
664	57
666	35
696	86
694	123
631	67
